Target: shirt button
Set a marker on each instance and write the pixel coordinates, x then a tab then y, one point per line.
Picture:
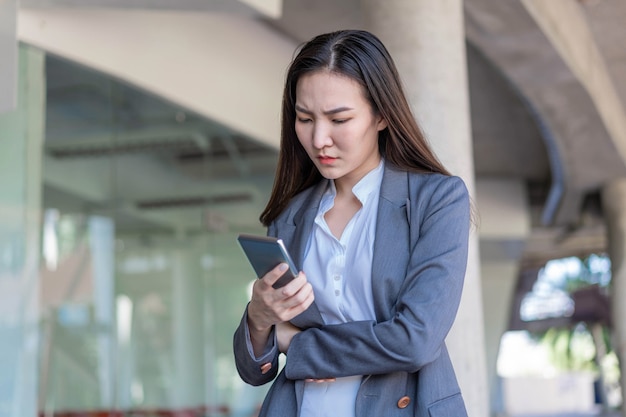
337	292
337	277
404	402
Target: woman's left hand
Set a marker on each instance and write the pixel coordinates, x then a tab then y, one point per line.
285	331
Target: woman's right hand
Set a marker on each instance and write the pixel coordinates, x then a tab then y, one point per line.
269	306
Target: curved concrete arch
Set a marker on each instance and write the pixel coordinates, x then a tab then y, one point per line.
526	55
225	67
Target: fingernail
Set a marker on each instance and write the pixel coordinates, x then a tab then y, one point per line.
282	267
266	367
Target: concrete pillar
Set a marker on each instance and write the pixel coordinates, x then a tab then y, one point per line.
504	227
614	206
427	40
21	139
499	279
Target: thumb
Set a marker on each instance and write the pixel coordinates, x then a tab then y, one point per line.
272	277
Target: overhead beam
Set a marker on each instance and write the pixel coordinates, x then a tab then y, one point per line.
564	23
268	8
138	140
140	178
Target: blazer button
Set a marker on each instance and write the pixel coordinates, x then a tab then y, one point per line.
404	402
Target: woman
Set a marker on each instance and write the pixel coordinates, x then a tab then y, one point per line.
380	229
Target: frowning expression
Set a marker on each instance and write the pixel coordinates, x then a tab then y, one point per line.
337	126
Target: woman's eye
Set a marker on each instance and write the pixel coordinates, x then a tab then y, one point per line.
340	121
303	120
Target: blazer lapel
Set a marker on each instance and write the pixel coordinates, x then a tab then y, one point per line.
391	246
303	222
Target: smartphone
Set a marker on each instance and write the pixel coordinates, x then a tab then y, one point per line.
264	253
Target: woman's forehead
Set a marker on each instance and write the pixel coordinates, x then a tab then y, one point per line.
328	85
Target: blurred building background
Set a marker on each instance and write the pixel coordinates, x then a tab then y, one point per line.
139	137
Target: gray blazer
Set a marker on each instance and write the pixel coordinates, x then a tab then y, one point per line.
420	256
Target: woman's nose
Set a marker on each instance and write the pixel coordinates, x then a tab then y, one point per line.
321	136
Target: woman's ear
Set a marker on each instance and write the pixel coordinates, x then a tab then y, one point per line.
382	123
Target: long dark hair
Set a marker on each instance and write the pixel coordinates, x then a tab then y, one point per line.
362	57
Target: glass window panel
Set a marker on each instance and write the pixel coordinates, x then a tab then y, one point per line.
143	283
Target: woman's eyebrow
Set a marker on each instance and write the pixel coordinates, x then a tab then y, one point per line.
303	110
327	112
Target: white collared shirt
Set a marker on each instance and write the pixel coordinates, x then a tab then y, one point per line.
340	271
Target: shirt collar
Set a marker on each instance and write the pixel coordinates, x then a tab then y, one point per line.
369	183
362	190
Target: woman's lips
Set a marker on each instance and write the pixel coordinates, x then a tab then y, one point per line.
326	160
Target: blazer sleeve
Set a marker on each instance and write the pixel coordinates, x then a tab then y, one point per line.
425	310
248	365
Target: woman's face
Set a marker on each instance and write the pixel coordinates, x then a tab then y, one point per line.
337	126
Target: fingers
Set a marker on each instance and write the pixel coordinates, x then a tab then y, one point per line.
298	294
265	368
274	275
294	298
320	380
270	306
